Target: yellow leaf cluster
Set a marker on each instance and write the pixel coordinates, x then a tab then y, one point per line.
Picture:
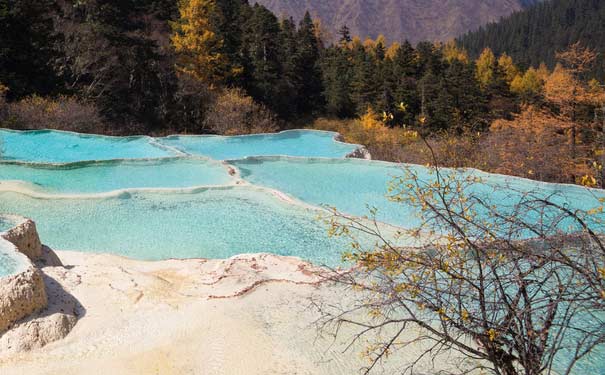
588	181
492	334
197	46
485	67
452	52
527	84
510	70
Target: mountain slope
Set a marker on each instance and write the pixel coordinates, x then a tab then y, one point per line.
534	35
414	20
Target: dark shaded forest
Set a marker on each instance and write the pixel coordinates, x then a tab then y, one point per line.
119	57
533	36
228	67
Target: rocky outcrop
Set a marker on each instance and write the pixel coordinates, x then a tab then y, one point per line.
23	293
50	324
360	153
25	237
20	296
25	311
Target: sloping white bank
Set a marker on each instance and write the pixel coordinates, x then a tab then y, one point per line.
245	315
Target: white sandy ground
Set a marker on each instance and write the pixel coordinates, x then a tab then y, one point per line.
247	315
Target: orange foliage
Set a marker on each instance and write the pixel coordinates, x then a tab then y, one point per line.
531	146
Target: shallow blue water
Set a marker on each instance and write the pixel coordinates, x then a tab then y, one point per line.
217	222
213	223
9	260
303	143
97	177
9	264
48	146
352	185
64	147
7	223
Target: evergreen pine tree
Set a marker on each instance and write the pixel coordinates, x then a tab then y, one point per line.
337	77
344	36
364	88
308	68
260	46
289	84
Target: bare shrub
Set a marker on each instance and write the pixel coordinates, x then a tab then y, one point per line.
448	150
63	113
192	101
512	288
234	113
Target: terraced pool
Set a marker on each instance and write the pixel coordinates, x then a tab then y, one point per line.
45	175
47	146
106	176
292	143
353	185
209	223
174	197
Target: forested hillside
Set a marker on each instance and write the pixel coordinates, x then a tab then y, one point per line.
433	20
228	67
534	35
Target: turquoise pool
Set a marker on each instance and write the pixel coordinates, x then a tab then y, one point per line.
302	143
160	198
105	176
351	185
47	146
10	261
209	223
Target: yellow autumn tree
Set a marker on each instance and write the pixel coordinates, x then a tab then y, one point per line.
196	44
452	52
485	68
369	44
543	72
355	42
596	96
530	145
508	67
321	32
596	93
528	85
565	89
566	92
392	50
561	87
